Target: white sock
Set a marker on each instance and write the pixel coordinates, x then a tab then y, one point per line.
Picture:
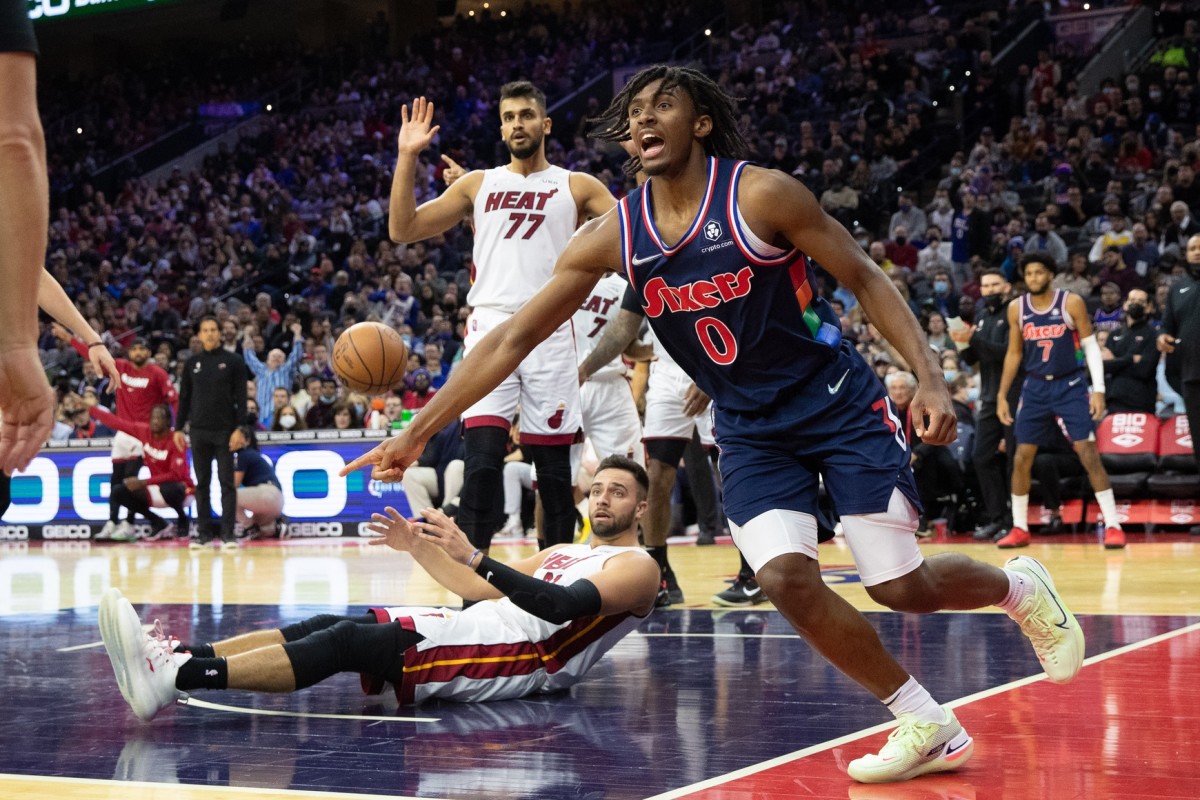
1108	508
1019	587
912	698
1020	511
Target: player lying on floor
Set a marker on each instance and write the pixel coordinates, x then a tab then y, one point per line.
555	614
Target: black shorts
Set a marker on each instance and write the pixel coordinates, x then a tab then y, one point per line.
16	28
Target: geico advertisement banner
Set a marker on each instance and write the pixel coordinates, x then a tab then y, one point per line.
64	492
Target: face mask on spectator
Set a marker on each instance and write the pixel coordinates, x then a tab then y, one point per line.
327	400
950	374
941	287
901	240
1155	95
973	394
994	302
1136	312
864	243
359	408
306	370
287	422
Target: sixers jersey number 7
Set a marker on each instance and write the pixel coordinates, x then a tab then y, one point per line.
1052	344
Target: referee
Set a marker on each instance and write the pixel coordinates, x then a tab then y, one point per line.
212	403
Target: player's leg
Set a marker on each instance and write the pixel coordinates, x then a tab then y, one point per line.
662	460
1089	456
555	490
253	640
517	477
420	484
1033	424
479	515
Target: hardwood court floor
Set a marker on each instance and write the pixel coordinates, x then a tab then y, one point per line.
701	702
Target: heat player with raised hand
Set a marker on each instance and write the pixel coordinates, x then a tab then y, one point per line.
1050	334
524	213
793	401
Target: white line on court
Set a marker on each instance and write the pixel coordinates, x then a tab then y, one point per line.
265	712
190	789
962	701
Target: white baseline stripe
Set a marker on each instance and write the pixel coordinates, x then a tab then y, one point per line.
187	789
962	701
264	712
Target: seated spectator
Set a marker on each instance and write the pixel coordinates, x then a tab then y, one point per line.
907	216
421	392
345	417
320	415
303	400
1109	316
936	335
1076	277
439	372
1131	359
1118	235
935	255
901	251
288	418
1045	240
436	479
1183	227
1142	254
1113	269
252	415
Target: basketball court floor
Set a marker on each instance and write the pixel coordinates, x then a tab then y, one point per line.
700	703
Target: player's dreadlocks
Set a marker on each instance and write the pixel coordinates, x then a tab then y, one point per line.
725	140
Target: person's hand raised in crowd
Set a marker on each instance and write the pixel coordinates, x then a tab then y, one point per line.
27	406
297	330
453	170
416	132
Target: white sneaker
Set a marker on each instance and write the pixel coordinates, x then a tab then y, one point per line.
144	665
107	531
513	527
123	532
1051	627
916	748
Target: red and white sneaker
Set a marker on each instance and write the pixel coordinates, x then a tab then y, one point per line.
143	663
1017	537
1114	538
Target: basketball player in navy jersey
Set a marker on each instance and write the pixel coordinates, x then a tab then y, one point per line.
523	214
1050	333
718	251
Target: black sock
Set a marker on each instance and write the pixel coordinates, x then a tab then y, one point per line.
203	673
659	554
197	650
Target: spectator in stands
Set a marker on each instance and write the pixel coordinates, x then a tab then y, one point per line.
944	298
438	371
840	200
1071	214
900	250
971	235
1180	338
908	216
1045	240
1117	236
278	373
346	417
935	255
1142	254
1109	316
304	399
287	418
1076	277
1183	226
279	398
1131	359
320	415
421	392
936	334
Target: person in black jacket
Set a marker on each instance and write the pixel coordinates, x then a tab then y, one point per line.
212	403
1180	339
1131	359
988	343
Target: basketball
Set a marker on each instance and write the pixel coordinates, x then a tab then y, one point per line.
370	357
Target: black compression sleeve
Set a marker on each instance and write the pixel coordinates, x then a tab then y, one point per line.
548	601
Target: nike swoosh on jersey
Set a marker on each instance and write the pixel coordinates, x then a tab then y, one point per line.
637	262
1184	289
834	389
1072	383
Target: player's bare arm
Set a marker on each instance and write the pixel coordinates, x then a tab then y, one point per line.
778	207
1077	311
593	251
406	221
592	198
695	401
394	531
618	337
52	299
628	582
1012	362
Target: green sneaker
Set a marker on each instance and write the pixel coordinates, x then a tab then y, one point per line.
1045	619
916	748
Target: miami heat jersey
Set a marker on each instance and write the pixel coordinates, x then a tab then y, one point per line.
593	317
739	315
522	223
1051	342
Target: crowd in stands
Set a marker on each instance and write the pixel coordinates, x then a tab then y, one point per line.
288	228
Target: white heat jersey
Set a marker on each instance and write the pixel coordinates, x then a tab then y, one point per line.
522	223
496	651
593	317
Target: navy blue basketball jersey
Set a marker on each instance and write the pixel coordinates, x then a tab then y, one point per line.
738	314
1051	341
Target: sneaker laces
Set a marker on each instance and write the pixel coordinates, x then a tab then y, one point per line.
161	638
1039	630
914	733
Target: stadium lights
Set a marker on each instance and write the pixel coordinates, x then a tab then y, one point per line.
270	107
504	13
79	131
708	31
487	5
471	13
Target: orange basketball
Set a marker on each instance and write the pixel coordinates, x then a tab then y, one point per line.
370	358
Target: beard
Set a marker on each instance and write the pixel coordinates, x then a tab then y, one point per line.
609	528
531	146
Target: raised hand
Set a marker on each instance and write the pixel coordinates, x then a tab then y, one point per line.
392	529
440	530
416	132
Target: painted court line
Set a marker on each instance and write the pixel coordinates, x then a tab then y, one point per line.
187	789
265	712
962	701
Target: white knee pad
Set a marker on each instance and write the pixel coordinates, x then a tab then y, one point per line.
884	544
775	533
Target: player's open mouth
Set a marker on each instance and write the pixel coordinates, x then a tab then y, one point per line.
651	145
